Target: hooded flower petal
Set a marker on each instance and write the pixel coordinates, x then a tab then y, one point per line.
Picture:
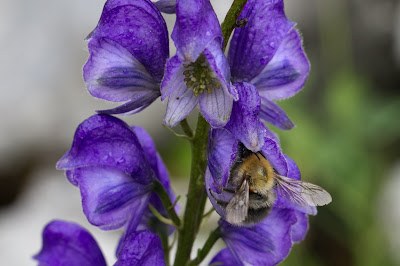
300	228
141	248
287	72
173	78
166	6
67	243
266	243
110	197
221	154
254	45
181	102
196	25
199	73
137	103
107	141
114	74
272	113
224	258
244	122
129	24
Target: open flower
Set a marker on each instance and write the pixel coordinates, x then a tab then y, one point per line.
267	52
125	65
114	167
266	237
199	72
66	243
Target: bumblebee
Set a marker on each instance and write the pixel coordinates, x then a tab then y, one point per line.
255	183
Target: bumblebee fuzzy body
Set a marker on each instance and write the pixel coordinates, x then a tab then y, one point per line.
254	184
259	174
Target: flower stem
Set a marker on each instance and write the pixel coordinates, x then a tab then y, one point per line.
196	197
231	17
186	128
160	190
202	253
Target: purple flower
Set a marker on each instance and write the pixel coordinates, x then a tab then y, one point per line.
125	65
263	241
267	53
114	167
67	243
199	72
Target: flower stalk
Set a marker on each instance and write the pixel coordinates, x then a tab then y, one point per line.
196	197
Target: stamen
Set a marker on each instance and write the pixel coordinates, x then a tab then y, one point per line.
199	77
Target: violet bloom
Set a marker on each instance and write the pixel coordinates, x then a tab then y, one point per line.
199	72
267	53
125	64
66	243
114	167
269	241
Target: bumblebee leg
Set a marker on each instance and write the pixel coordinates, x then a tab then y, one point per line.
220	202
230	190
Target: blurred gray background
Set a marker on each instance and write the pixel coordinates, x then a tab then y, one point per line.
346	140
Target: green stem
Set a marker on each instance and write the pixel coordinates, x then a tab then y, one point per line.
186	128
166	201
231	17
202	253
196	197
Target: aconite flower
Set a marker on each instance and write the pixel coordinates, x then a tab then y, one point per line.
66	243
199	72
267	53
125	64
114	166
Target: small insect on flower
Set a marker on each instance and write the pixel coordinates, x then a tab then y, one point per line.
255	185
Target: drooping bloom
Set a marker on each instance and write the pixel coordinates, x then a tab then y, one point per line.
199	72
66	243
125	64
267	53
114	166
267	242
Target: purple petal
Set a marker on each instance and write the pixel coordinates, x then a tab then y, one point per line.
266	243
180	103
244	122
294	171
300	228
173	77
219	64
140	101
274	155
107	140
216	107
110	196
254	45
113	74
196	25
272	113
287	72
224	258
129	23
166	6
141	248
67	243
221	154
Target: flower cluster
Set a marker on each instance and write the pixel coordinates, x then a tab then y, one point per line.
122	179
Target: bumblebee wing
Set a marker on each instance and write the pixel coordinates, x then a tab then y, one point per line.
236	210
302	193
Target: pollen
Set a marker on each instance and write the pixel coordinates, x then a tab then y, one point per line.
199	76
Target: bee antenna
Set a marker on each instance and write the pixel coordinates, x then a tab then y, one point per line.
257	156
